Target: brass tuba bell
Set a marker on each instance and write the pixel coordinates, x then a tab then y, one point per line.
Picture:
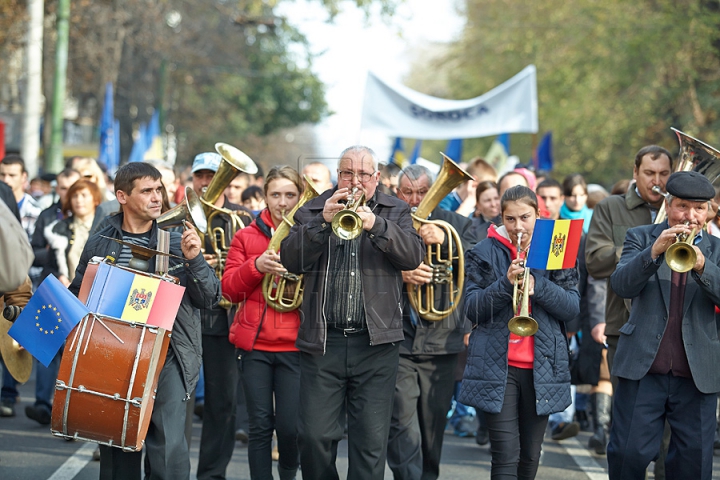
189	209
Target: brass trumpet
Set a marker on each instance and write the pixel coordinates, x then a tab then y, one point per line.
522	324
347	224
681	256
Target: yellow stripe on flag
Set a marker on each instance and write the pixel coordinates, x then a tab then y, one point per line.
139	302
558	244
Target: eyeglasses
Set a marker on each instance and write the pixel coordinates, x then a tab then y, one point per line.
348	176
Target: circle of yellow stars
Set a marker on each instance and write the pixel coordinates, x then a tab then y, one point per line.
51	331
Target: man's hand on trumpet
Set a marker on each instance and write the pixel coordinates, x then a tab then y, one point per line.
269	262
420	276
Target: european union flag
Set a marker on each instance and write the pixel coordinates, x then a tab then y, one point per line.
47	320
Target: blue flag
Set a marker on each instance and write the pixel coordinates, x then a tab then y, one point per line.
545	153
139	146
109	133
416	152
47	320
397	156
454	150
504	139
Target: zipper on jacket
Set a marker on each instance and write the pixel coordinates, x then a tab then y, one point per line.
322	313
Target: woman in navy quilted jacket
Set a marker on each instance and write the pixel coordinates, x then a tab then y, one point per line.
517	381
270	362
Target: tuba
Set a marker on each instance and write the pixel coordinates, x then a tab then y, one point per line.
423	298
284	292
522	324
233	162
694	155
347	224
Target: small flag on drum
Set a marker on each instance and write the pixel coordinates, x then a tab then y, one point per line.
47	320
132	297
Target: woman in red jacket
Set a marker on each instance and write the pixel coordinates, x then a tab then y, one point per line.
270	363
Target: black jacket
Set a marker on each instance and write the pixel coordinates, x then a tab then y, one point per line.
392	245
202	290
44	256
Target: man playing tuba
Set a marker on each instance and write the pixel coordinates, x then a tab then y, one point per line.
429	352
219	360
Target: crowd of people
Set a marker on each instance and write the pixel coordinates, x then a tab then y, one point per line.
624	349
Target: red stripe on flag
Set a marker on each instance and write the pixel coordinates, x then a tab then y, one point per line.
166	305
573	243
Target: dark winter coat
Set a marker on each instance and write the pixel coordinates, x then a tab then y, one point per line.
489	304
392	245
202	290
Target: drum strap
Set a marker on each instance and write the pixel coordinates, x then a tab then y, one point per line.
162	262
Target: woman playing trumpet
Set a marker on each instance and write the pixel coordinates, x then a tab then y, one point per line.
270	363
517	381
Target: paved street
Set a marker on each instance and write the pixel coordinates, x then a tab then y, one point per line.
29	452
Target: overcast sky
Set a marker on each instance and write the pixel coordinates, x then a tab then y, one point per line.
351	46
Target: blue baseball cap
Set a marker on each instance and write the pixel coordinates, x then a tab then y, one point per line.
206	161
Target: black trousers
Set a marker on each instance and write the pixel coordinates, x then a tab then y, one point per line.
271	381
423	392
640	409
362	375
516	433
217	440
166	451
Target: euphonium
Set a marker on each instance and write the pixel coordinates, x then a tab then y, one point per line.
347	224
522	324
284	292
233	162
423	298
681	256
694	155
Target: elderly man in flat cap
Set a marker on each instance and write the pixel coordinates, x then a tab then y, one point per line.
668	354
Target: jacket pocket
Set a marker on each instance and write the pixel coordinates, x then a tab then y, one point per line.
628	328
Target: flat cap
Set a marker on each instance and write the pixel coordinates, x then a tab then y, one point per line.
692	186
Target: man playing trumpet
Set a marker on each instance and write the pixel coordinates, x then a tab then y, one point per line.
668	351
351	318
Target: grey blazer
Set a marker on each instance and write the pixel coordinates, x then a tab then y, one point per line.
647	283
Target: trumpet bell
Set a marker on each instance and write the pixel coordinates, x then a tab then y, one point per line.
347	225
681	257
523	326
191	209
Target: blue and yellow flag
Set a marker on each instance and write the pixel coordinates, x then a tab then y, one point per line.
47	320
554	244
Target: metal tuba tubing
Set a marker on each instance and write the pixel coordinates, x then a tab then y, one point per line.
189	209
694	155
278	297
422	298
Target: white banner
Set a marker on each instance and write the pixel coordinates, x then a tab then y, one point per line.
401	112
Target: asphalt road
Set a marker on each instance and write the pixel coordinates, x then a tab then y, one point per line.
29	452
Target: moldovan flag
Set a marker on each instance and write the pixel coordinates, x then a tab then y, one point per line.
47	320
121	294
554	244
